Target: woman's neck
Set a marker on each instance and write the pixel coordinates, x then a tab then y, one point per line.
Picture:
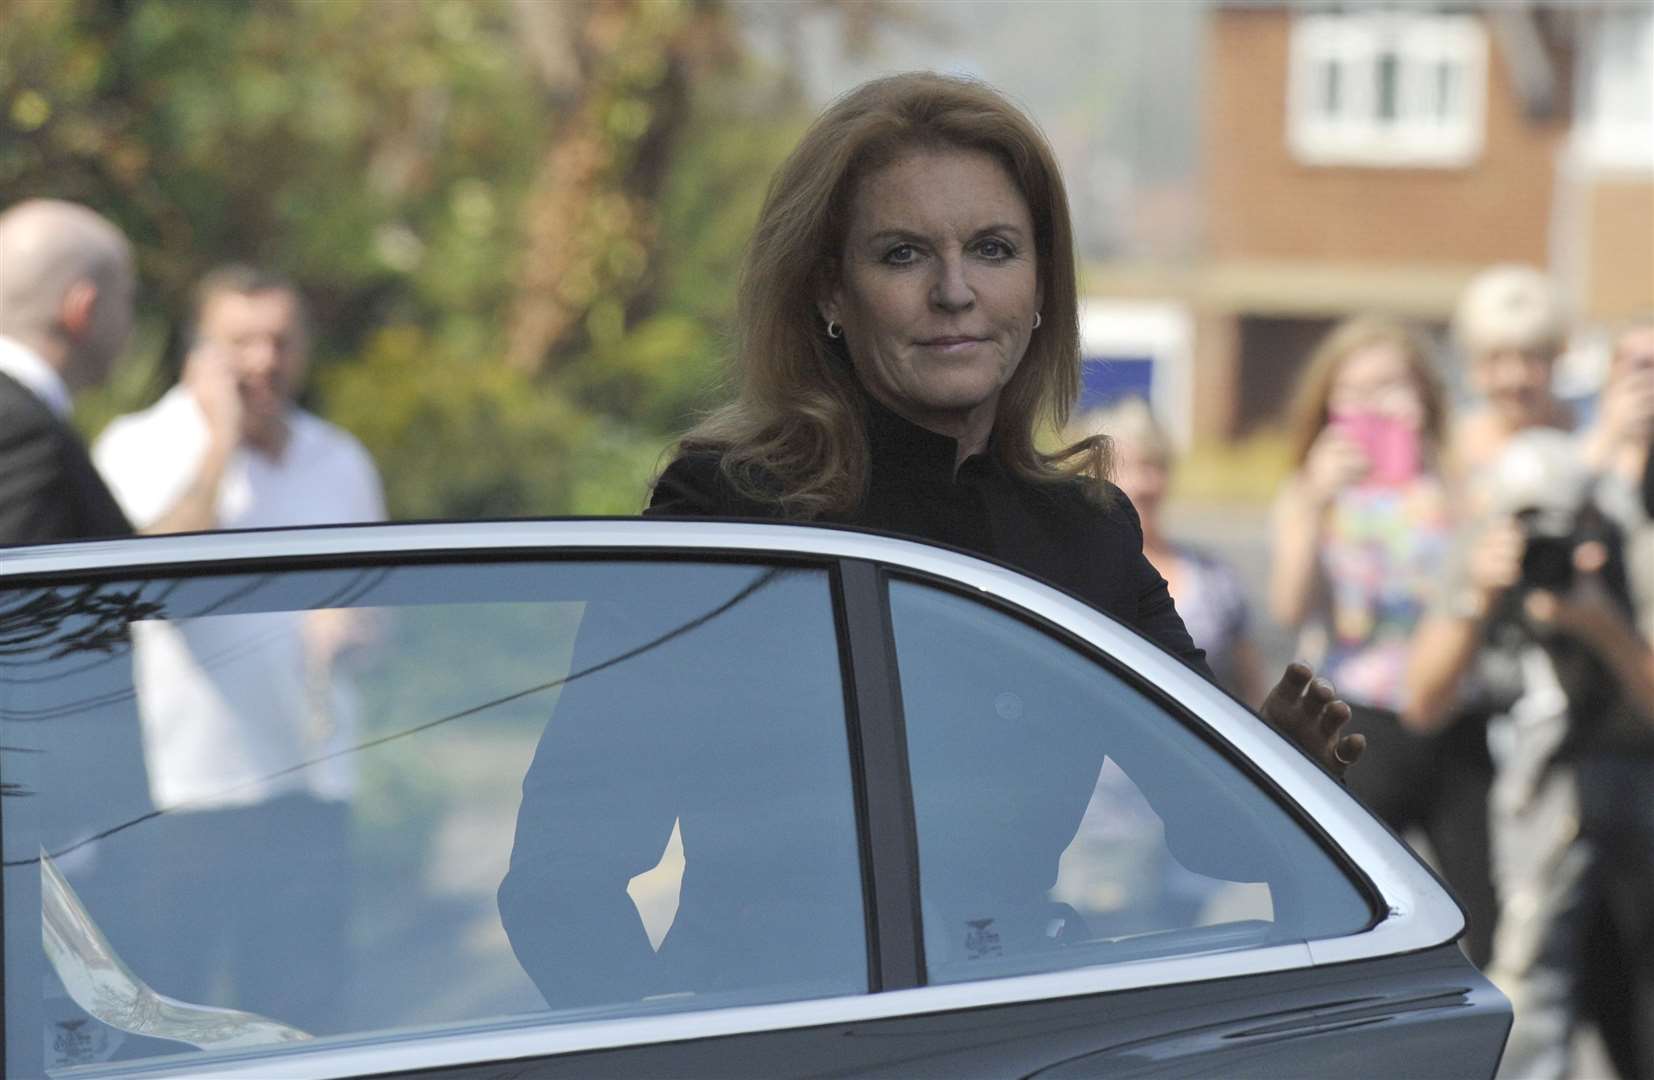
969	428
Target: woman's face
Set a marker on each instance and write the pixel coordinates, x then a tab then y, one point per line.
937	287
1377	378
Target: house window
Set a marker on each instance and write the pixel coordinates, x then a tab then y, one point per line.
1387	88
1619	130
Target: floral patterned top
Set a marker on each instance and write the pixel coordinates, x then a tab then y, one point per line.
1382	554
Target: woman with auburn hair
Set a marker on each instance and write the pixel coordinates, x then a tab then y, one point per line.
797	442
908	327
1362	529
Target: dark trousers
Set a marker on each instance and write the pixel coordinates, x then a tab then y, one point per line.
1616	796
1437	784
251	906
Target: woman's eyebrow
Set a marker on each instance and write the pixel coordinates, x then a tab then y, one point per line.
884	235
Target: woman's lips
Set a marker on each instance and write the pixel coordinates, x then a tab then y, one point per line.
951	343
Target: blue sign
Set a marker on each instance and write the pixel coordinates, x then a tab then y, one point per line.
1107	379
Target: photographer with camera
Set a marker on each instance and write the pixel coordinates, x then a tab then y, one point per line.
1535	628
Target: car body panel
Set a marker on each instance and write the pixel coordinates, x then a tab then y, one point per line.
1394	998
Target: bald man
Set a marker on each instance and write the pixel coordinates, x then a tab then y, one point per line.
66	293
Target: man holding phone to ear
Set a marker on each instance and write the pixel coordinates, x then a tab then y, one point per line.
229	447
246	719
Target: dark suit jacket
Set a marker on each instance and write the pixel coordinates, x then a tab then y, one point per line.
49	489
72	754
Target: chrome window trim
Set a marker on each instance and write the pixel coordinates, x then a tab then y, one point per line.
1417	912
515	1039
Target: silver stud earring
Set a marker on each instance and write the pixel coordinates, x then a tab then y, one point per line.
834	330
1036	320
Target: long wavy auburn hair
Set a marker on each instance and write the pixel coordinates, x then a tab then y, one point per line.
794	435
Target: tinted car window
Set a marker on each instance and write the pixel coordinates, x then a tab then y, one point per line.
1065	819
420	797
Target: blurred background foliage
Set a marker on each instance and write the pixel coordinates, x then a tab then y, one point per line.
518	223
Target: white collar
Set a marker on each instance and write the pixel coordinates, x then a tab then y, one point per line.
36	375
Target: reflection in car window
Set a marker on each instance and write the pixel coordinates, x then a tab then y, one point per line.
1064	819
297	795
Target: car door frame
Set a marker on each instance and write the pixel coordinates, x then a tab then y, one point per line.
1413	913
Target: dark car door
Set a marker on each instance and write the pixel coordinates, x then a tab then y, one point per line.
1098	882
374	799
1102	815
577	799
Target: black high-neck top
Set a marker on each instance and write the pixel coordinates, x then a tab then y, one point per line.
1050	531
619	754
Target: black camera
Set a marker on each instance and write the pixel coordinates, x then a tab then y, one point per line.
1548	562
1552	539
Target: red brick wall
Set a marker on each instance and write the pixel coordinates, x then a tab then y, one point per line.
1262	204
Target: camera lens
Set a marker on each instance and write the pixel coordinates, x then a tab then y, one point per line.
1548	563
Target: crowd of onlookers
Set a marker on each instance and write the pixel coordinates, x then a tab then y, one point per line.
1477	579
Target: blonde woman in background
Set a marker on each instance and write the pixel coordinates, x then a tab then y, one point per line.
1362	528
1208	592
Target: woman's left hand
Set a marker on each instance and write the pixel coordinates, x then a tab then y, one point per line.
1308	711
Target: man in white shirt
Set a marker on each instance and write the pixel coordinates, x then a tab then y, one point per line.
245	720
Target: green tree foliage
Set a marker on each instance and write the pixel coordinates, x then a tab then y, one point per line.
518	224
473	439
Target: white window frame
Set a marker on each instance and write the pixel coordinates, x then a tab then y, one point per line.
1419	135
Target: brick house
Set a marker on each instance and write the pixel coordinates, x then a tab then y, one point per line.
1373	157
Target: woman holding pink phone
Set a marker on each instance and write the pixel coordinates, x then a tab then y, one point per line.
1361	530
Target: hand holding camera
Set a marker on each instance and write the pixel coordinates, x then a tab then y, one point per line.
1579	603
1495	563
1367	447
1628	398
1335	462
1548	541
1389	444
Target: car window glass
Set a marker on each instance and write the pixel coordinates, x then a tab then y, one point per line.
1066	819
415	798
